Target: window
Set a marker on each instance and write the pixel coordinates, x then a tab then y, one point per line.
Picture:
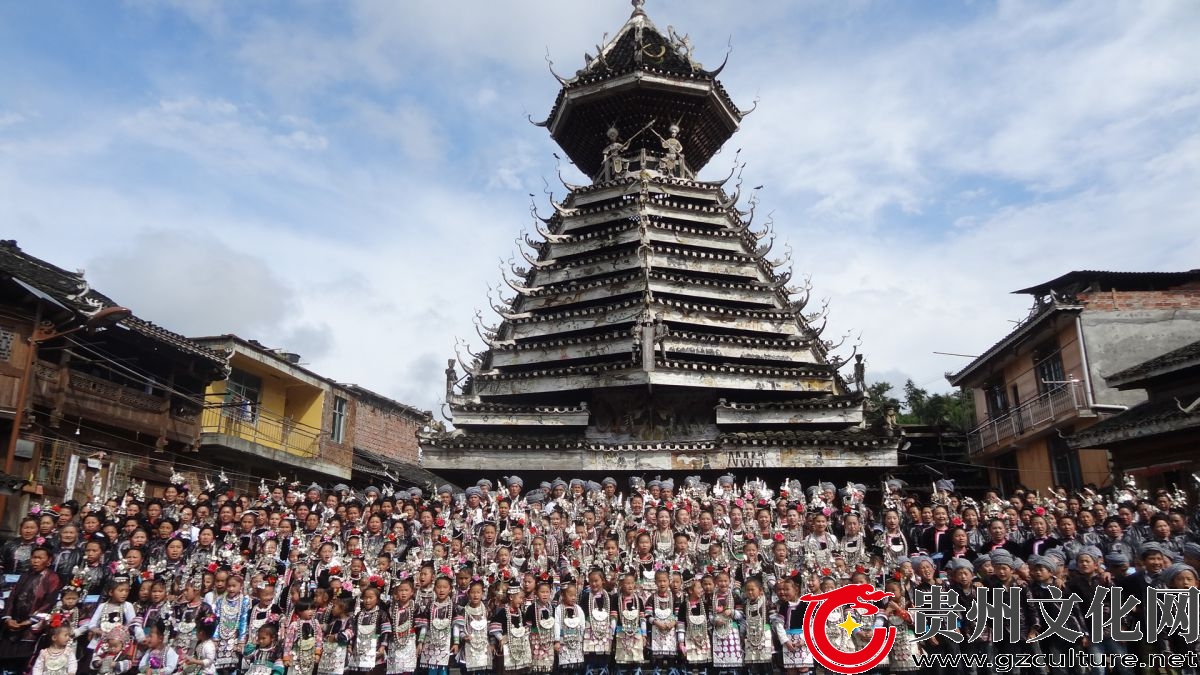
338	433
997	399
1048	365
243	394
7	337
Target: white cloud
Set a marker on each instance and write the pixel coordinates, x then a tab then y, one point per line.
368	172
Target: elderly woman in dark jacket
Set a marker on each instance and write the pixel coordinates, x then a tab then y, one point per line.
33	594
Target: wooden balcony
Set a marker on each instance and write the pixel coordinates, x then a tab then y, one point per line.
69	394
1049	410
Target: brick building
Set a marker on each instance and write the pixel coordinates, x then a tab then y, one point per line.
386	427
385	441
1045	380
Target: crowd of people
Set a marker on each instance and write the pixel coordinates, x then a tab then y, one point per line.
569	576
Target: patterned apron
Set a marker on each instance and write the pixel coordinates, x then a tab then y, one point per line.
541	642
402	653
571	635
517	653
476	653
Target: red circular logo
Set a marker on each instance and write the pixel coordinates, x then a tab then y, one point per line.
816	615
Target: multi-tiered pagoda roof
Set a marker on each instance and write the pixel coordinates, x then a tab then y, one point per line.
649	328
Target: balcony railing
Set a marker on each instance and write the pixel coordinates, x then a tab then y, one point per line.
262	428
1064	401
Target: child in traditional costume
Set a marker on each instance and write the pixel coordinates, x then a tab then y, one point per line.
435	630
789	627
541	620
471	632
601	623
303	640
630	638
372	628
757	617
338	633
662	616
402	650
232	609
692	631
58	658
159	658
570	619
510	630
726	634
202	659
265	655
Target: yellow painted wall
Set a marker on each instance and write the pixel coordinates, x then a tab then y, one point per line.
282	397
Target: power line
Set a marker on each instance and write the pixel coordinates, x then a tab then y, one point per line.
215	468
144	377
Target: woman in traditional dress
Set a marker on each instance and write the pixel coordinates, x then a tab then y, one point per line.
16	553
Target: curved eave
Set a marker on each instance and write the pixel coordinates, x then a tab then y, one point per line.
608	83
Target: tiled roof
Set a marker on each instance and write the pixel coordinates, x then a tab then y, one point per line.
817	403
1118	280
1147	419
1186	356
375	466
465	440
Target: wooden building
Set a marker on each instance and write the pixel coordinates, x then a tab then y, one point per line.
98	409
649	329
1044	381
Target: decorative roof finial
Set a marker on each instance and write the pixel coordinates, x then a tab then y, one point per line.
637	6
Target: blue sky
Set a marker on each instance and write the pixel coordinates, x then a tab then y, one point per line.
342	179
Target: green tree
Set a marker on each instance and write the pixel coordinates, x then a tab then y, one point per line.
953	410
879	399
